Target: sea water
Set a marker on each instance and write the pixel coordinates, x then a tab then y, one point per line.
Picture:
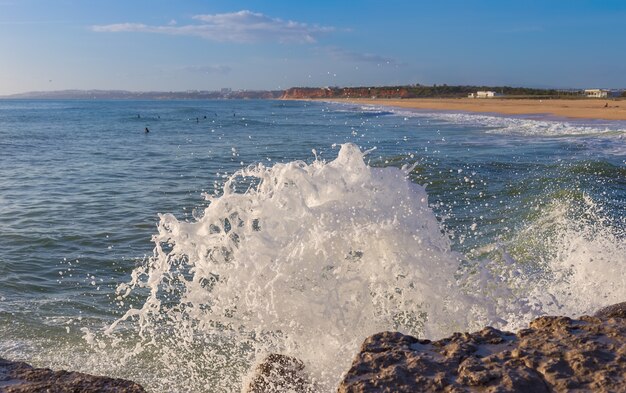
181	256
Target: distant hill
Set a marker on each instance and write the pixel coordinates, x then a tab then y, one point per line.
147	95
420	91
404	91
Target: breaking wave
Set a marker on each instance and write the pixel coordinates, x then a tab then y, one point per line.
539	125
309	259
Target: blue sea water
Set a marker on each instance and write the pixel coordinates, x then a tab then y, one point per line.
82	185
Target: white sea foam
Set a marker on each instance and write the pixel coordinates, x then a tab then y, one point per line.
313	258
581	256
533	127
508	125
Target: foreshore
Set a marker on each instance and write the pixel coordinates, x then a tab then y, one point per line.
593	108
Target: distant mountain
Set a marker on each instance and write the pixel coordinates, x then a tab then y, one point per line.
146	95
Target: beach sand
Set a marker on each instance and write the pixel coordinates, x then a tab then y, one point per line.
581	108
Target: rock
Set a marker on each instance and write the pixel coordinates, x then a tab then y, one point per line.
280	373
18	377
554	354
614	311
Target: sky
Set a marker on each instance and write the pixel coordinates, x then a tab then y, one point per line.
171	45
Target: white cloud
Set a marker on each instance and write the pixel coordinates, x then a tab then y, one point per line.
120	27
243	27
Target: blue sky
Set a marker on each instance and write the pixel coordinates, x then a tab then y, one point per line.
208	45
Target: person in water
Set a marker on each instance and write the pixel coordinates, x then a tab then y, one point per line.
147	130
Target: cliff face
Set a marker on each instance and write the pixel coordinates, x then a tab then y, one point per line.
554	354
421	91
298	93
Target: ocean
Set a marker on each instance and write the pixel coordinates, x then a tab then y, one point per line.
232	229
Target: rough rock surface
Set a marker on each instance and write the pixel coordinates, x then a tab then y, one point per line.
280	373
614	311
554	354
17	377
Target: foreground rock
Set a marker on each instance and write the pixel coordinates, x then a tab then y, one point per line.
554	354
17	377
614	311
280	373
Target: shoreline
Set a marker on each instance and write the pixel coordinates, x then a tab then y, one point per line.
592	108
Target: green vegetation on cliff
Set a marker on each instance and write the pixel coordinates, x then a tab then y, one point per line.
420	91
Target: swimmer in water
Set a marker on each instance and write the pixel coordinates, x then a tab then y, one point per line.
147	130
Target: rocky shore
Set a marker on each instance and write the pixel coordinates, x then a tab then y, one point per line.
554	354
18	377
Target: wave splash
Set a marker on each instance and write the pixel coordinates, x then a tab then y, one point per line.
309	260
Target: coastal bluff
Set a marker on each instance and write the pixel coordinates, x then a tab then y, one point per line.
18	377
554	354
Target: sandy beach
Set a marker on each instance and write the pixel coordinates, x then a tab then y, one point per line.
583	108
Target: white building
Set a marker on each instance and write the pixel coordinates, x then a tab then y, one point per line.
596	93
482	94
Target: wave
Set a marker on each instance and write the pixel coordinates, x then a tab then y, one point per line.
506	125
533	127
367	111
312	258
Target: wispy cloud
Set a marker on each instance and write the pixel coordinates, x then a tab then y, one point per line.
242	27
357	57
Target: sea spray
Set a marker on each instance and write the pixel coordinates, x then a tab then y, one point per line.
578	256
308	260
